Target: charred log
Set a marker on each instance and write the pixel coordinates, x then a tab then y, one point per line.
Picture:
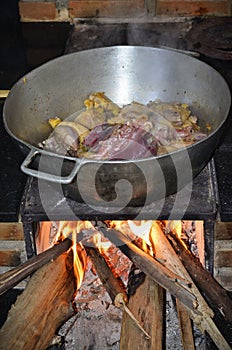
112	284
198	309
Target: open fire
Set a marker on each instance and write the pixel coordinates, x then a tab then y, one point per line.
113	248
86	234
161	253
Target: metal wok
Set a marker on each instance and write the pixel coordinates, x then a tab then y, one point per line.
125	74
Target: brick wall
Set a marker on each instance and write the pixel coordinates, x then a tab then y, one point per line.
67	10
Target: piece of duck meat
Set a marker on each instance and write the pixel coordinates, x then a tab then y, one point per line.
98	134
134	113
65	138
92	117
99	108
164	132
175	113
120	142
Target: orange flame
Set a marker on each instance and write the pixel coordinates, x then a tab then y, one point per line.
64	229
175	226
79	262
138	231
142	230
72	229
43	237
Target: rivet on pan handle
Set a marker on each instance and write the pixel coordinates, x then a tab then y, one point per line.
46	176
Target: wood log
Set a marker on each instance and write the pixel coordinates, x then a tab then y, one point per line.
200	238
205	322
112	284
42	308
185	327
216	295
201	313
147	305
19	273
152	268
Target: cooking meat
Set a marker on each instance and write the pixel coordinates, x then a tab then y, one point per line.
173	112
119	142
91	117
99	109
106	131
99	99
98	134
134	113
65	138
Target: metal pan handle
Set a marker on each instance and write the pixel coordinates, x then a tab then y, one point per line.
4	93
46	176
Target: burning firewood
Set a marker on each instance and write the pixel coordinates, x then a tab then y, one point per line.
182	288
47	298
154	269
113	285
